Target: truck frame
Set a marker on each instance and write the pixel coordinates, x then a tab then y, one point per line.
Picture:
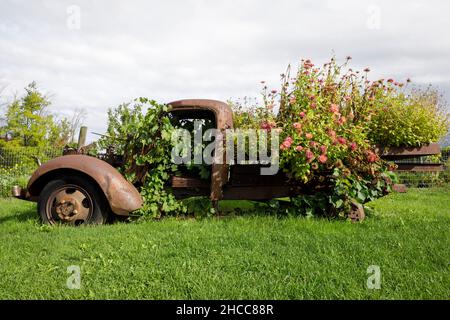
77	188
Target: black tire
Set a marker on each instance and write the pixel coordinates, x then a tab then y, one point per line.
72	200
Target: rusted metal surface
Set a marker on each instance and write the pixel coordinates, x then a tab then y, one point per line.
250	175
121	195
420	167
185	182
224	120
407	152
256	192
71	207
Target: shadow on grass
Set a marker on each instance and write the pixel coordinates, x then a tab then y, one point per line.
23	215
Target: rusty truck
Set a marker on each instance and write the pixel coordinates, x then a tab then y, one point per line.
81	189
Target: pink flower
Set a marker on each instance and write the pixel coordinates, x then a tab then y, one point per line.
309	136
292	100
313	144
334	108
312	97
331	133
308	64
323	158
287	142
353	146
341	140
309	155
371	157
342	120
302	114
297	125
347	98
323	149
313	105
299	148
265	125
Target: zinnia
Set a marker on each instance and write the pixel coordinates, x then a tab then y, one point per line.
334	108
331	133
297	125
309	155
341	140
323	158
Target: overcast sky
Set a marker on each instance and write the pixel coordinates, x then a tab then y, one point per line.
98	54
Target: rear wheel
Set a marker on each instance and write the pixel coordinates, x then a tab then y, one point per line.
73	201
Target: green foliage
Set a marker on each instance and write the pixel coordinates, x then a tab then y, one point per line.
123	122
408	118
323	124
199	207
29	124
147	152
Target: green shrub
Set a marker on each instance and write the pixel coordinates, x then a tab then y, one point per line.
409	118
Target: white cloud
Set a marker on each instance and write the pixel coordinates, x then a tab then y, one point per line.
208	49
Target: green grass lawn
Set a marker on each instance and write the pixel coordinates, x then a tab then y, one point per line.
239	257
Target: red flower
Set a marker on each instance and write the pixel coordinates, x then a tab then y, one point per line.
323	158
323	149
265	125
334	108
371	157
309	136
353	146
302	114
341	140
299	148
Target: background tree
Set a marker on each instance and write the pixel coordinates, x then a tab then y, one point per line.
29	123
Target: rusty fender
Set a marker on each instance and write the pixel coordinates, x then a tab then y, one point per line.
121	195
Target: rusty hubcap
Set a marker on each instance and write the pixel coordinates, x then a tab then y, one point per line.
70	204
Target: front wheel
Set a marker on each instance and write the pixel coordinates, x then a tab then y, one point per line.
73	201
